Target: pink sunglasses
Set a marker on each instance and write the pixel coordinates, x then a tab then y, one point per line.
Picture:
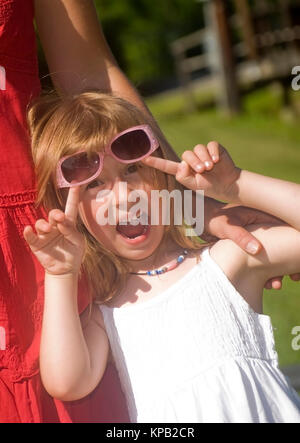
128	146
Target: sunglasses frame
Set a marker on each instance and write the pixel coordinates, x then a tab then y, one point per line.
154	144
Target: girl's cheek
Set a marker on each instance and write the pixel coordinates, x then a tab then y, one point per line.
90	203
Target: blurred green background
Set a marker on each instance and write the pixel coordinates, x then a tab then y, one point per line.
140	32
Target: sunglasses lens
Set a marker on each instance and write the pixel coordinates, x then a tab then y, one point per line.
132	145
80	167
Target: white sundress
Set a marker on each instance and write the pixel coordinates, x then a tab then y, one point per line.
198	352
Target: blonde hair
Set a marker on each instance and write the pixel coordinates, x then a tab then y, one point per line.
61	125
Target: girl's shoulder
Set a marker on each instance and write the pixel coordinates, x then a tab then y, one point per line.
229	257
234	263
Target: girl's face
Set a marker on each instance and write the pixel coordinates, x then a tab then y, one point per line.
117	181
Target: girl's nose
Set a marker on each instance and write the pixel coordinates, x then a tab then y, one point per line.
120	189
123	191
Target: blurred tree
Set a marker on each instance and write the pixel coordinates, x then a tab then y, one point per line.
139	33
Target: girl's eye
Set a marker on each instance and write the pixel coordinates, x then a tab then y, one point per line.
94	184
131	169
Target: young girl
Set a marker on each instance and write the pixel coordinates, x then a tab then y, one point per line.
188	339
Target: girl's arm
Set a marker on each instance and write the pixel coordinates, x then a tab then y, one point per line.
277	197
223	180
281	244
211	169
74	350
280	254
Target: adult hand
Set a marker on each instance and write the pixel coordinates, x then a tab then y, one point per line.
223	220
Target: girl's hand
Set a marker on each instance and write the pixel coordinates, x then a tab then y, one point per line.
209	168
222	220
57	244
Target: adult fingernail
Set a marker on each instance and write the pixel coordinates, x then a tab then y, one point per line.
276	285
252	247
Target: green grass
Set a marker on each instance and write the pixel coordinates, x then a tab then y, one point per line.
258	140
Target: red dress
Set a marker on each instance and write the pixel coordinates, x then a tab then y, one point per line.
22	397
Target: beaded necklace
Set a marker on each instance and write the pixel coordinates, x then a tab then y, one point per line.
168	267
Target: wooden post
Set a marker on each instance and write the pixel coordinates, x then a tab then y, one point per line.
243	9
230	96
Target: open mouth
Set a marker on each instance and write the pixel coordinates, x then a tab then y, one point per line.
134	229
131	231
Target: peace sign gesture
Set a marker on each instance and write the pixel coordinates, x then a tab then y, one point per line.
57	244
209	168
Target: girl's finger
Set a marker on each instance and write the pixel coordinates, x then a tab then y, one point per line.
68	230
242	238
71	209
214	151
193	161
167	166
187	177
55	216
183	172
42	227
203	154
29	235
